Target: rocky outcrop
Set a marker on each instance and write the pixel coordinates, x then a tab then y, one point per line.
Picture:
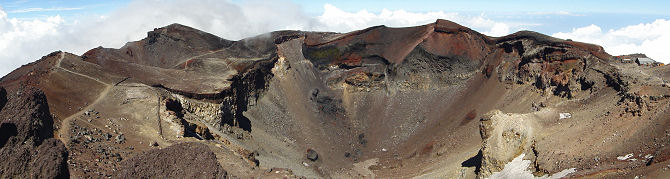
563	68
245	90
505	136
184	160
26	144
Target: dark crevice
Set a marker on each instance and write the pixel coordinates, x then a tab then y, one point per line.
245	87
475	161
348	67
524	61
518	46
563	90
214	97
175	106
649	161
538	170
539	83
3	98
585	84
124	79
7	130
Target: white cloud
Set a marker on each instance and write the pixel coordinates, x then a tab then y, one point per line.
652	39
335	19
24	38
37	9
23	41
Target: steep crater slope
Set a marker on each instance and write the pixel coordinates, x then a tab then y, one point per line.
384	102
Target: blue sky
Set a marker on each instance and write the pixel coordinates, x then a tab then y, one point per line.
66	8
589	6
32	28
576	13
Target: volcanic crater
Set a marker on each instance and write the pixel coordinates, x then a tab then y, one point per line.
433	101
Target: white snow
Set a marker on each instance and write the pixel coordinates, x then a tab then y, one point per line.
518	169
564	115
625	157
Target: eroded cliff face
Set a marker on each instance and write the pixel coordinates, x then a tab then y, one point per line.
386	102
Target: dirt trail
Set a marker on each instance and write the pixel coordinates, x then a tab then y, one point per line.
62	55
198	56
63	132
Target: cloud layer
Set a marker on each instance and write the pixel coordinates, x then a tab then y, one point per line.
21	40
653	39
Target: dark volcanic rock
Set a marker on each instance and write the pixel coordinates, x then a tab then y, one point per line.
26	131
29	113
312	155
51	160
184	160
3	97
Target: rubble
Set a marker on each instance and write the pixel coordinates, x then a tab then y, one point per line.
120	139
176	161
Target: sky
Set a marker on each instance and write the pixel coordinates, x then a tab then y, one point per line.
30	29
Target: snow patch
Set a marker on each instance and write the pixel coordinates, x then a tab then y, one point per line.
625	157
518	169
564	115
